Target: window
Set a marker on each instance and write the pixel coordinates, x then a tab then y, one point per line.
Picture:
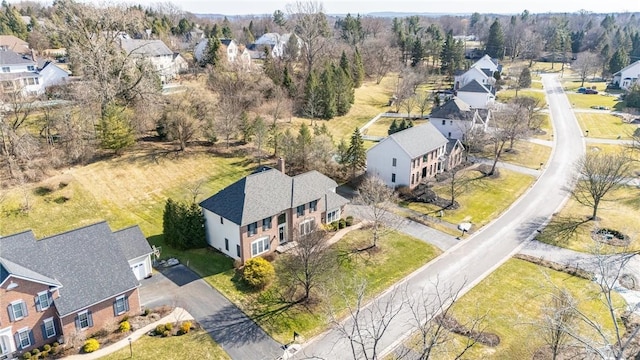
31	68
18	310
23	338
121	305
307	226
424	158
252	229
394	162
300	210
444	122
42	301
393	178
226	244
6	69
48	328
238	250
260	246
266	223
449	135
451	122
313	206
333	216
221	220
412	175
84	320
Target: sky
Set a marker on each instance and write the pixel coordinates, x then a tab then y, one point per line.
247	7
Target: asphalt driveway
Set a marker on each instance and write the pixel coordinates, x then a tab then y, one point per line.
238	335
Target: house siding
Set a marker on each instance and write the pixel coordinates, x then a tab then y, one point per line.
216	233
476	100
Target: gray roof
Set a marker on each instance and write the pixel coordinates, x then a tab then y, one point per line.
87	262
145	47
454	109
334	200
418	140
132	242
8	57
266	193
474	86
8	267
226	42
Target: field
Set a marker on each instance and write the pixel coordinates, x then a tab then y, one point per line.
605	126
380	127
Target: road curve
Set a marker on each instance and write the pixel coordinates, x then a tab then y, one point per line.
465	265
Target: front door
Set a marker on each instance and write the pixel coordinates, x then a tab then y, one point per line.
424	172
282	228
6	341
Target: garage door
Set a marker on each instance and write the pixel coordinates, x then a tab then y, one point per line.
139	270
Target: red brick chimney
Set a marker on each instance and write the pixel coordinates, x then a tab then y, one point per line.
280	165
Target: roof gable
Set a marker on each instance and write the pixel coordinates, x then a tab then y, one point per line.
418	140
628	67
132	242
454	109
145	47
475	87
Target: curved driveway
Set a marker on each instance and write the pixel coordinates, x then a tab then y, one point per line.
472	260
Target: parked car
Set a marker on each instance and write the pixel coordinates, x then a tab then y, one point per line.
590	91
600	107
581	90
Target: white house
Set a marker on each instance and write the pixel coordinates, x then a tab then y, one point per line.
276	41
229	46
484	77
407	157
455	118
19	73
477	95
628	76
157	52
51	74
486	62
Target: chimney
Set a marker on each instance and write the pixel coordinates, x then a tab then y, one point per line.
280	165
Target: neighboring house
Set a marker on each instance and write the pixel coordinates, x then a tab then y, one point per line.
17	45
487	63
51	74
477	95
259	51
228	46
628	76
455	118
158	54
180	64
484	77
19	74
275	41
68	285
407	157
268	209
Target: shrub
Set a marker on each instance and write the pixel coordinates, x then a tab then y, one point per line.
349	220
55	344
160	329
46	347
26	355
168	326
44	354
35	352
166	333
91	345
341	224
333	226
185	327
258	273
146	312
125	327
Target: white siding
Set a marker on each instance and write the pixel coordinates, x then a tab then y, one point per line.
457	128
380	163
217	232
485	63
53	75
147	263
476	100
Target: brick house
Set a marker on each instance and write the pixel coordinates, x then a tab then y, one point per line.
263	212
67	285
407	157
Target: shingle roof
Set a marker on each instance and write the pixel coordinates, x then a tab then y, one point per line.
87	261
132	242
454	109
474	86
145	47
8	57
14	43
334	200
418	140
226	42
9	267
266	193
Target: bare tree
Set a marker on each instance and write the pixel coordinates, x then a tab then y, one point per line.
261	132
598	174
586	64
508	127
377	200
531	109
184	117
378	58
423	102
409	103
557	318
311	27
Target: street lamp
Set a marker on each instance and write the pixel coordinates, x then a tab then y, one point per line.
130	349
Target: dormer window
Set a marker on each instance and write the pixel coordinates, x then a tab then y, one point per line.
31	68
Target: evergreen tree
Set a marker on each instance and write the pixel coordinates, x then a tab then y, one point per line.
344	64
450	60
356	154
114	130
524	80
312	104
633	98
287	82
344	92
619	60
417	52
183	225
226	29
211	54
327	90
303	147
393	128
279	18
495	42
357	74
14	22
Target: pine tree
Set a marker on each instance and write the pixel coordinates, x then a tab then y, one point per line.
211	55
358	69
524	80
14	22
344	92
619	60
287	83
495	42
312	104
417	52
114	130
226	29
344	64
327	90
393	128
356	154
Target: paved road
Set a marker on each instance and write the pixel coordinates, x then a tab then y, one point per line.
472	260
238	335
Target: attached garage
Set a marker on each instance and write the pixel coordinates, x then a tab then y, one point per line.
141	267
137	251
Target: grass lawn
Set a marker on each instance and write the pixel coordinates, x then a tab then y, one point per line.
507	95
380	270
536	84
586	101
380	127
526	154
571	85
513	298
620	212
615	149
545	125
605	126
484	199
197	344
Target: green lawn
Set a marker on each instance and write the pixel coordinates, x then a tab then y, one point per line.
513	298
380	269
381	127
586	101
197	344
546	127
507	95
525	153
605	126
483	201
615	149
571	85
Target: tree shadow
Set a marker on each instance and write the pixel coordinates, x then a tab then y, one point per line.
562	229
